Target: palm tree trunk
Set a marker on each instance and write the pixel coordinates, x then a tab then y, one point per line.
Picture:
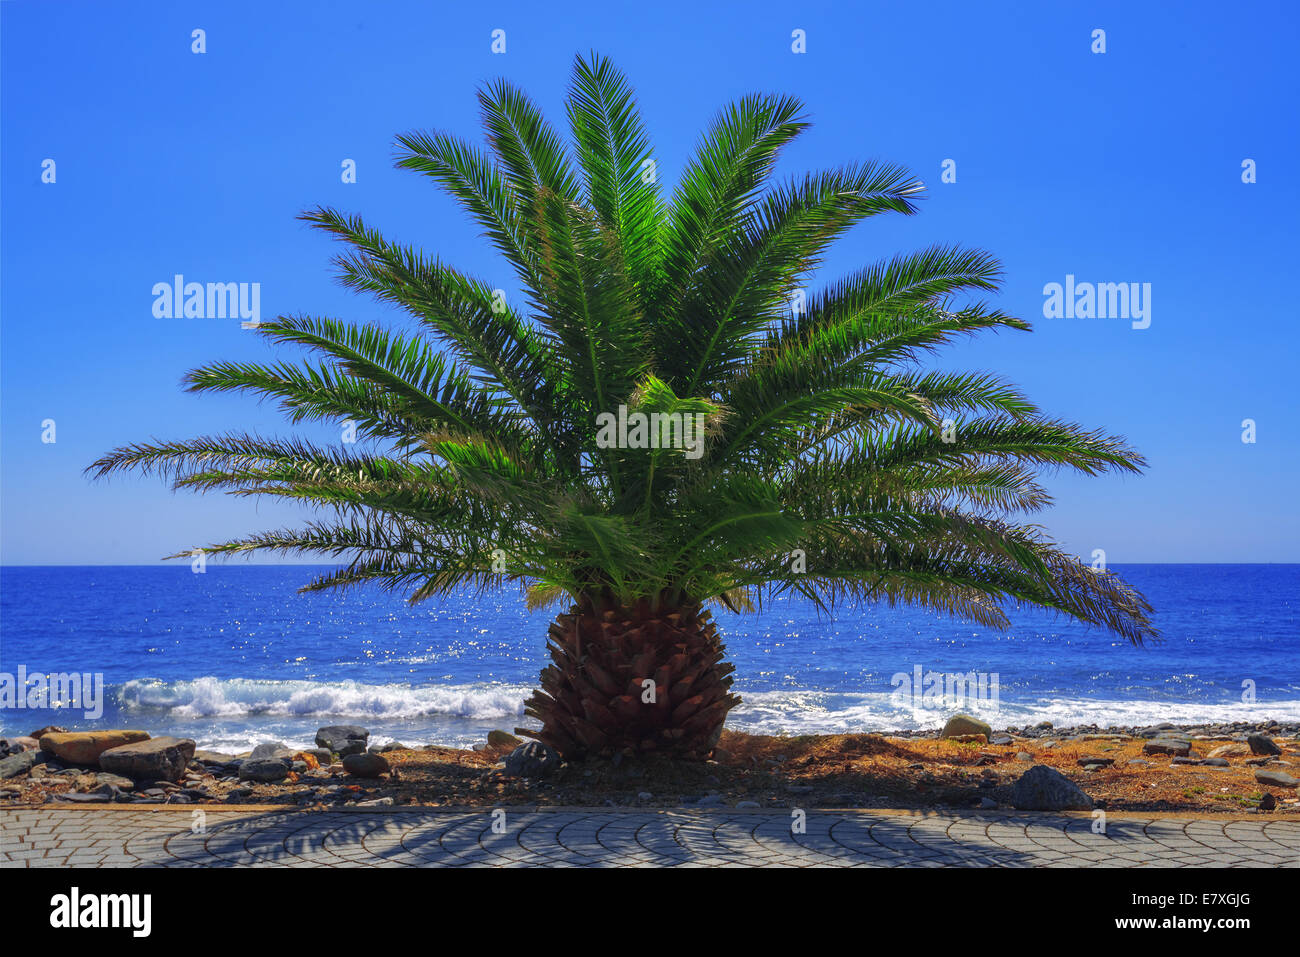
633	680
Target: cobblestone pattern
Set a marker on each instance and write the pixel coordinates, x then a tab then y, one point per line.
599	838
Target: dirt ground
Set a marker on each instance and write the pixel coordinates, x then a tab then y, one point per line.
832	771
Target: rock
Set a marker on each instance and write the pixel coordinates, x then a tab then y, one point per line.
746	804
1262	744
1234	750
213	757
85	747
1138	763
102	795
988	804
272	749
343	739
1092	759
117	780
17	764
324	757
1167	746
1215	762
532	760
159	759
377	802
18	744
263	770
962	724
1024	756
48	729
499	739
1045	789
365	765
1268	803
390	746
1001	739
1277	779
710	800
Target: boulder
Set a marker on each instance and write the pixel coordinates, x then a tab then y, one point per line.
1234	750
960	724
85	747
263	770
1174	746
18	744
1042	788
343	739
157	759
532	760
500	739
16	764
1262	744
365	765
1277	779
48	729
272	749
213	757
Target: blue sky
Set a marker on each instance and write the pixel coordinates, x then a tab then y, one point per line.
1122	166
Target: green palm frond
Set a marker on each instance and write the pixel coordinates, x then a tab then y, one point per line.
820	428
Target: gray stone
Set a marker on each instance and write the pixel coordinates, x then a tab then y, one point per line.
104	795
272	749
1262	744
324	757
1000	739
365	765
213	757
1173	746
17	764
1277	779
1042	788
532	760
746	804
158	759
264	770
116	780
343	739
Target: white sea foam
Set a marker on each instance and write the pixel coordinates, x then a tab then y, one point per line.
764	712
238	697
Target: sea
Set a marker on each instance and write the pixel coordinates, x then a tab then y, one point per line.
236	656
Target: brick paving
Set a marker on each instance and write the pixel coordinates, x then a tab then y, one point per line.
589	837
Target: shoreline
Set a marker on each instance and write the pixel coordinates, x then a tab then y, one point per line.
1210	769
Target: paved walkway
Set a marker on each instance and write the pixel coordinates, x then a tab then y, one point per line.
636	838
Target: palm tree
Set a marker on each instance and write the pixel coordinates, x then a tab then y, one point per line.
826	462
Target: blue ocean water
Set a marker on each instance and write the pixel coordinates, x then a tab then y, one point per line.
235	656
